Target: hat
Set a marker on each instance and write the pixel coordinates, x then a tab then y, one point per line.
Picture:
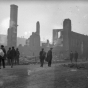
2	46
51	48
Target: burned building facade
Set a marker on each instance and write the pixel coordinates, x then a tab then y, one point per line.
34	41
57	36
70	41
12	30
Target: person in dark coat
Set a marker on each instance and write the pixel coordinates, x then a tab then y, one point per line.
42	57
17	56
49	57
1	57
76	56
4	56
13	54
71	56
9	56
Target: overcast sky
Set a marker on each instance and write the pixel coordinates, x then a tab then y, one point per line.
50	14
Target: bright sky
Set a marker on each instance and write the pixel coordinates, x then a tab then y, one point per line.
50	14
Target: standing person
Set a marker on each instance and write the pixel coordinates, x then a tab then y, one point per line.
13	54
9	56
4	56
76	56
71	56
15	60
49	57
1	57
42	57
17	56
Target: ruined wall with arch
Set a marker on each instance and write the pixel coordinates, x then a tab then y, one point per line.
71	41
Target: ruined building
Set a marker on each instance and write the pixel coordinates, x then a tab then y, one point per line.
69	41
12	30
34	41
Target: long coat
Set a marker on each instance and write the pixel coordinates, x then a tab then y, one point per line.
42	55
9	54
13	53
71	55
49	55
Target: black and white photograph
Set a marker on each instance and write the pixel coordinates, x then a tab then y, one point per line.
43	44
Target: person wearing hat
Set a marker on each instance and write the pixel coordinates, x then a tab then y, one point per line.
17	56
13	54
71	56
76	56
49	57
42	57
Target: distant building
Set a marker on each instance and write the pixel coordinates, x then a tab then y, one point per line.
21	41
3	40
69	41
25	50
34	40
38	28
27	42
12	30
57	36
47	45
44	45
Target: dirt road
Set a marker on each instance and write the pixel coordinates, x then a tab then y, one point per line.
34	76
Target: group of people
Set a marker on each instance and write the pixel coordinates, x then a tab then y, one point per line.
45	56
12	56
74	56
48	57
